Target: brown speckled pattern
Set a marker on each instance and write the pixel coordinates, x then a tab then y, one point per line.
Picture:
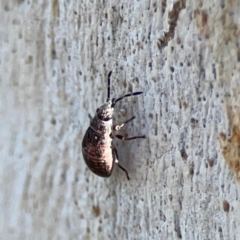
97	145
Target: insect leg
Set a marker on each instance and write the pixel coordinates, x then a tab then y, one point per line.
122	168
90	117
119	126
131	138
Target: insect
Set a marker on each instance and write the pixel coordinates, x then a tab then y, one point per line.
98	149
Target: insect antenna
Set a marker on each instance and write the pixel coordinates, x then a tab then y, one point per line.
108	91
127	95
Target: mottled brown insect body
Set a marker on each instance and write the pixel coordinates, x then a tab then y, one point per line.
98	150
97	147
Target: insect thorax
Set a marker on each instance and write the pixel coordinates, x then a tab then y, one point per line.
105	112
101	127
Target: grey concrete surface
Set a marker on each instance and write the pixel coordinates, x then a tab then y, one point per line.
54	60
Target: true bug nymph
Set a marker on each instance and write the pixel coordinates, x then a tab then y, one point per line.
98	149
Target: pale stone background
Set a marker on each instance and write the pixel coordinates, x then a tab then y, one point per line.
54	60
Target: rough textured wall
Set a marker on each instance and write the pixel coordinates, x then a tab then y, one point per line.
54	60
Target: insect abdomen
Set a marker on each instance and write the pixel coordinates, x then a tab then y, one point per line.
97	153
